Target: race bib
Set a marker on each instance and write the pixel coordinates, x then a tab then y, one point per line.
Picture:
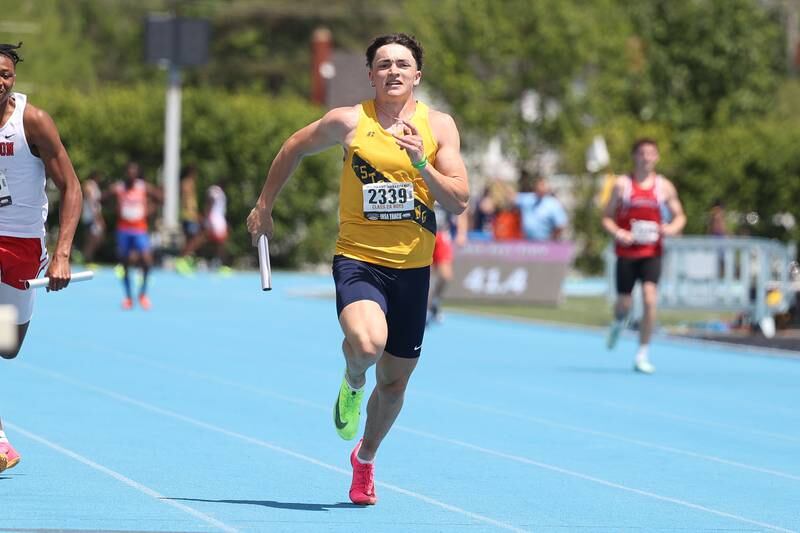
388	201
645	231
132	211
5	192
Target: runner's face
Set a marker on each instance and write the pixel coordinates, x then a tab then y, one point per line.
646	157
7	77
132	172
394	70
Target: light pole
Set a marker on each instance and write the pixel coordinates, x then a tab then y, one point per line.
174	42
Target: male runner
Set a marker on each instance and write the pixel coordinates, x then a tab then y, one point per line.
633	216
133	195
30	150
400	156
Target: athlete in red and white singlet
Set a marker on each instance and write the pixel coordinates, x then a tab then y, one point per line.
30	149
633	217
639	212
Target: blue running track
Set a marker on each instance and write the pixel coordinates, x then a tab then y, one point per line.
212	412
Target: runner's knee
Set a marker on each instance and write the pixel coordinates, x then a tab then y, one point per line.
394	389
366	345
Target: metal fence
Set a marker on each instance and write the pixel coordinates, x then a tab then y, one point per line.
750	275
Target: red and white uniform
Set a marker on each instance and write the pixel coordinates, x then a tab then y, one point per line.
639	212
216	224
442	248
23	211
132	207
23	203
443	245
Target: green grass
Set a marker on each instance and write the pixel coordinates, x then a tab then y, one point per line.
586	311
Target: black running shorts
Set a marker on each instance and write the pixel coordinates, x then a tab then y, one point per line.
401	293
629	271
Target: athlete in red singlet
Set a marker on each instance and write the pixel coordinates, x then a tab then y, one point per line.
30	150
633	216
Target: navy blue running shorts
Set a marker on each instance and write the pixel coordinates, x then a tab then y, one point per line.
401	293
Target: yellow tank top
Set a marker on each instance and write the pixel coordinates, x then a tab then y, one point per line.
385	207
189	211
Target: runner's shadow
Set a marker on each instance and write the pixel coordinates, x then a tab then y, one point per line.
279	505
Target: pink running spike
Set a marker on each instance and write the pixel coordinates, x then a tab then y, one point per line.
10	454
362	489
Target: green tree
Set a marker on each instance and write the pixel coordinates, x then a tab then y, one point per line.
53	50
236	142
483	56
267	45
254	45
703	62
754	166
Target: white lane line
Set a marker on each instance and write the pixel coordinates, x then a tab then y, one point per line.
664	338
579	475
123	479
431	436
649	412
738	349
542	421
264	444
587	431
525	388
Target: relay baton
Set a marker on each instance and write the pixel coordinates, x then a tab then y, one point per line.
38	283
263	263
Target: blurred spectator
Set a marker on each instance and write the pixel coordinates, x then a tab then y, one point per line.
216	225
451	231
94	226
485	209
542	216
214	231
494	215
717	225
190	216
506	223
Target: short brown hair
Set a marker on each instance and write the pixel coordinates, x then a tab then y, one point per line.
403	39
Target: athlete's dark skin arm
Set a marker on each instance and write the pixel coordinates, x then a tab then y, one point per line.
45	142
154	193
